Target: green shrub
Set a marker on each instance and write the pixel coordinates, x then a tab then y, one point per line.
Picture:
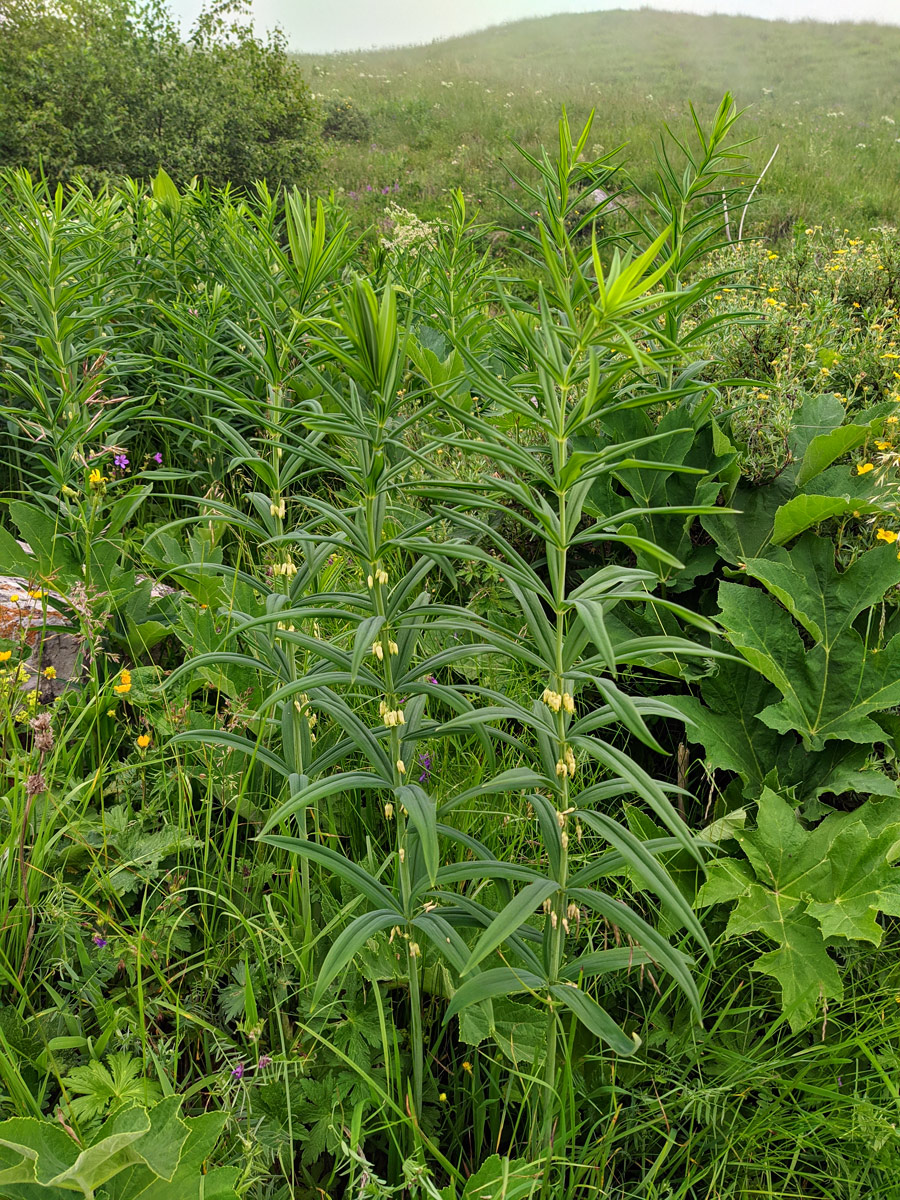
344	122
106	88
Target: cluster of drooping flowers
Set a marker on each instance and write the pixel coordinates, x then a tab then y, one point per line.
556	701
378	649
566	764
391	716
380	576
301	704
287	568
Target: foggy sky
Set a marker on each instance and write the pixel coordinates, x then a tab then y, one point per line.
320	26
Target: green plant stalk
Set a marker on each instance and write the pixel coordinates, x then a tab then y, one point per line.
555	928
305	885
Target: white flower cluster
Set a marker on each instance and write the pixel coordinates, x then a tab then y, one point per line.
409	233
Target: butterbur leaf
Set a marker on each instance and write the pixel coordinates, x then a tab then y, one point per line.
733	738
807	975
801	888
802	512
826	448
188	1183
824	600
860	884
745	534
830	688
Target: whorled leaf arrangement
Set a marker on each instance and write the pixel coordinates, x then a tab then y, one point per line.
600	339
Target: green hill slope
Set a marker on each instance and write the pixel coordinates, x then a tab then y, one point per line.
439	116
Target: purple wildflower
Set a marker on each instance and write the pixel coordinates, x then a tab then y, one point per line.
385	191
99	941
425	763
264	1062
121	460
157	458
238	1072
432	678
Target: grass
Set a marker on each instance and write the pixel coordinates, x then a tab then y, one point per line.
440	116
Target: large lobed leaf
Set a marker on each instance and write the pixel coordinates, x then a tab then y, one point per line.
802	888
828	688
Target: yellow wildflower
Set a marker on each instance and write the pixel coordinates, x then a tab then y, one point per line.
886	535
864	468
5	655
124	684
143	741
49	672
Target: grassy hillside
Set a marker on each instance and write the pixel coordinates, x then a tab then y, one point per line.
439	116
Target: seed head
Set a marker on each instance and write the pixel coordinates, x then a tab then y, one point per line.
43	733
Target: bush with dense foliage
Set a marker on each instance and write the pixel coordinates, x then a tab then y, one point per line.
108	88
468	699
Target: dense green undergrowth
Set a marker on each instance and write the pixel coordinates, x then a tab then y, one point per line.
477	771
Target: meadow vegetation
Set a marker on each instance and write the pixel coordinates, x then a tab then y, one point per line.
432	118
475	771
